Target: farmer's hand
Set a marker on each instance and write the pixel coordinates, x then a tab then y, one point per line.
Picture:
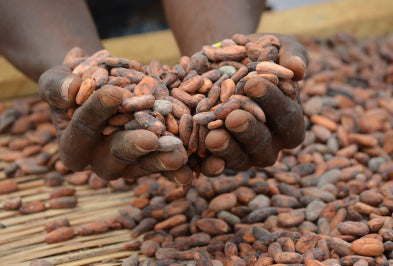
127	153
248	142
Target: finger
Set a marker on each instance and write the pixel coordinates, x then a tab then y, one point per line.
268	156
120	150
220	143
254	137
60	120
284	117
293	56
58	86
213	166
181	176
129	145
169	164
156	162
83	133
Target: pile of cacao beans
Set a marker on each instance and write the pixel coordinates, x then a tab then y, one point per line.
327	202
181	104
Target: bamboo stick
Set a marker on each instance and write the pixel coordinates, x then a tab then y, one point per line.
97	203
73	215
20	241
21	264
33	184
75	218
36	193
31	217
116	255
40	229
24	192
29	232
6	214
26	242
3	176
85	254
26	178
25	255
31	248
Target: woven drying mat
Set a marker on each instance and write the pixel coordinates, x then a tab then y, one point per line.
23	238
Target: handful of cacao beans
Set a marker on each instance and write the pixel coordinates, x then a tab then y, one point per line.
181	104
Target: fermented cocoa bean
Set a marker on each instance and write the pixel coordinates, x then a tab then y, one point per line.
59	234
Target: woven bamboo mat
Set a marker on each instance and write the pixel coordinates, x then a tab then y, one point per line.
23	238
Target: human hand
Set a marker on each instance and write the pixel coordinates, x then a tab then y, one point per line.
127	153
248	142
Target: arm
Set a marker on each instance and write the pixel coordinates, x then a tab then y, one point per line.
35	37
36	34
203	22
245	141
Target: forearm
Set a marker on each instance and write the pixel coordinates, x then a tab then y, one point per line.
36	34
197	23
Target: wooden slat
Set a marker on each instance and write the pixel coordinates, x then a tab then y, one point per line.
76	220
24	237
38	246
87	261
115	200
30	254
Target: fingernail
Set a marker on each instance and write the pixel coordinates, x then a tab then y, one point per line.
218	169
257	90
142	150
299	62
240	128
217	141
282	49
222	146
182	181
109	100
183	176
65	87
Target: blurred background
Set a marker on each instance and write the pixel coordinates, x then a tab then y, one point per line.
125	17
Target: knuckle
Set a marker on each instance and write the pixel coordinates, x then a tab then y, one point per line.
290	120
83	130
262	145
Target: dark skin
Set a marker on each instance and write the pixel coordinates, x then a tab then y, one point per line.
244	143
198	23
37	34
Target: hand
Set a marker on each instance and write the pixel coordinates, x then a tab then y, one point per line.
127	153
247	142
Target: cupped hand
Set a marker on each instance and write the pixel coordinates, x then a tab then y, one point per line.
127	153
246	141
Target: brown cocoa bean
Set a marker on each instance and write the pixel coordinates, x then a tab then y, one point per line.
212	226
54	224
59	234
367	247
32	207
8	186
